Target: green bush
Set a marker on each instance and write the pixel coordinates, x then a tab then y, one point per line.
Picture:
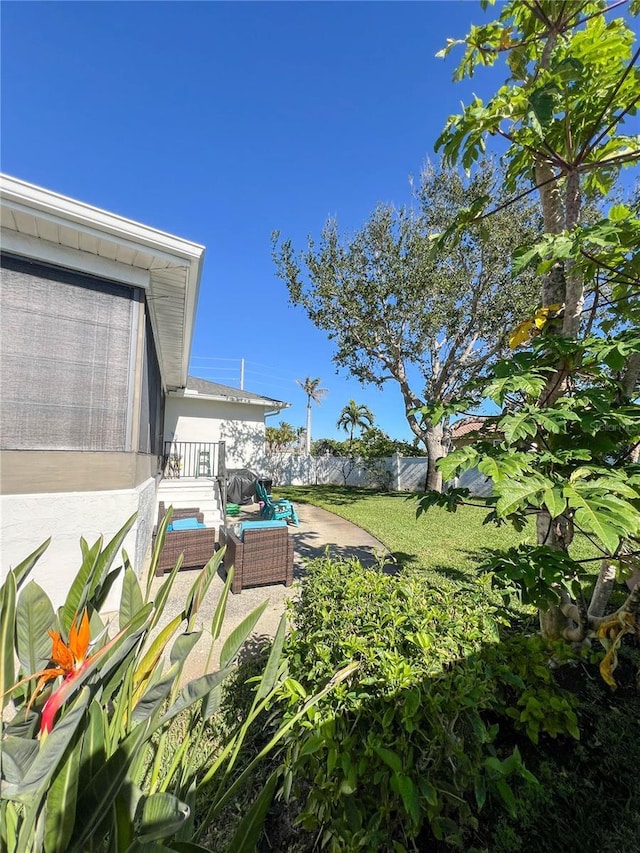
415	743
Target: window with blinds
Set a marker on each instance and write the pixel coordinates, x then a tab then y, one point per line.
67	348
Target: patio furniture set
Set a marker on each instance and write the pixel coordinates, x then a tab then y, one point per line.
260	551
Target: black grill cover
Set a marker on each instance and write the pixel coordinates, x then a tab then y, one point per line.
241	486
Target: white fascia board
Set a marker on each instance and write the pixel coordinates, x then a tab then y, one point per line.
37	249
219	398
190	307
36	200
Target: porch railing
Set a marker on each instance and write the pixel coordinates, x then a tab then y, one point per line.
194	459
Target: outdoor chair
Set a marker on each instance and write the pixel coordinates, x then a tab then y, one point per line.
196	542
275	510
261	552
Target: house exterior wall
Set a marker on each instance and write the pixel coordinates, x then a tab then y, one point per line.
65	517
239	425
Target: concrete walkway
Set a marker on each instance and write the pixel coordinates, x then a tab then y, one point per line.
318	530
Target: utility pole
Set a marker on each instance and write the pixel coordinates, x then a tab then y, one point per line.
242	374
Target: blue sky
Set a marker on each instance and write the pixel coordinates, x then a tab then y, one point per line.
221	122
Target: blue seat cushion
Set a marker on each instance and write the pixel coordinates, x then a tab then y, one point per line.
258	525
185	524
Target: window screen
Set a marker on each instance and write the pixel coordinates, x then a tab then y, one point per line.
65	347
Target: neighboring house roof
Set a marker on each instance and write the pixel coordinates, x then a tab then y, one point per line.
204	390
470	427
42	225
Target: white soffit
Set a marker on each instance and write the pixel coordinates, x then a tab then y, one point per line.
46	226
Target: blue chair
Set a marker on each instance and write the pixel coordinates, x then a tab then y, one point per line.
275	510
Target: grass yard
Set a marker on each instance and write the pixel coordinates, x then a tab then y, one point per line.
447	544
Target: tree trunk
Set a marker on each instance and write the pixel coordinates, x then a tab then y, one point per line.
555	533
308	431
434	440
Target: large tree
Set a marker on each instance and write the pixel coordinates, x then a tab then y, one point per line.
315	393
399	311
570	450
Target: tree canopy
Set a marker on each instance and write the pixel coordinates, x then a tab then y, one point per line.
399	310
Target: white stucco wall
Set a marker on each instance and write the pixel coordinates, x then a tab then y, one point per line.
239	425
27	520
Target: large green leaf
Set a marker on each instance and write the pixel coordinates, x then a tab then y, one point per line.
130	598
22	570
270	672
193	691
61	802
34	618
162	816
93	744
18	754
237	637
98	797
108	555
38	777
589	516
200	587
247	835
78	594
218	616
520	494
7	629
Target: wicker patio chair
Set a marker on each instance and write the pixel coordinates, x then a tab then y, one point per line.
262	556
197	545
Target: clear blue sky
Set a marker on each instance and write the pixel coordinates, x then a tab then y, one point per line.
221	122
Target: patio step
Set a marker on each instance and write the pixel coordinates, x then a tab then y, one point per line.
202	493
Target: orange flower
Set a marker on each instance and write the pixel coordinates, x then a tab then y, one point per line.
69	658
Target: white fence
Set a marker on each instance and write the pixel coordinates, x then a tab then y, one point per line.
395	473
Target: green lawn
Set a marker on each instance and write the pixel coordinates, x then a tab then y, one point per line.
450	544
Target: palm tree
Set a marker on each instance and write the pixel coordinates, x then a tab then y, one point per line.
314	392
354	417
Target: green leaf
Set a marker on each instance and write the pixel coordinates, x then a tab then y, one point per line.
554	501
162	815
514	495
18	754
589	515
193	691
61	803
99	796
7	629
249	830
38	777
34	618
78	594
22	570
237	637
131	597
390	758
270	672
200	587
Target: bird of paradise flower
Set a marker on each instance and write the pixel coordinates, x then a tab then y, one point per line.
71	661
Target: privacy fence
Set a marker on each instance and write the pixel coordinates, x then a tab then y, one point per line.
395	473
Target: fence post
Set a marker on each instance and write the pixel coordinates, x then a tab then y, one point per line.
395	472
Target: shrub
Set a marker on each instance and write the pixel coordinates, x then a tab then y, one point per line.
413	746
